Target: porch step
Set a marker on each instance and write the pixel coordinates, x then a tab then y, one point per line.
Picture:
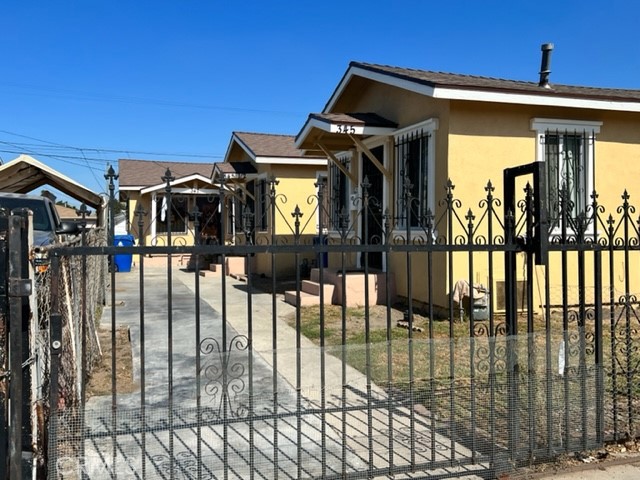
313	288
306	299
310	294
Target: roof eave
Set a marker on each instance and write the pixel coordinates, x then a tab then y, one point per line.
523	98
177	181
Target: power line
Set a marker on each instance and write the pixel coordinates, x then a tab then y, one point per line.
113	150
60	152
76	95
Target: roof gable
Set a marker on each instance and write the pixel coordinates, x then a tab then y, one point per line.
270	148
469	87
24	174
146	173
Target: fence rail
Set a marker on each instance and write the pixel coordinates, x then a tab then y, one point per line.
473	350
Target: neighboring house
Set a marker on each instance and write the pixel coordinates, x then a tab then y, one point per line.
71	214
382	122
143	183
254	164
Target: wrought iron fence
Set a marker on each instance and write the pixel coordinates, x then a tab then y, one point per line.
432	376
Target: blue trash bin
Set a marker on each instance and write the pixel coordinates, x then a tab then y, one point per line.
123	260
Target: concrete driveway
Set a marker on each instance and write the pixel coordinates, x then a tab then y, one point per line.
239	427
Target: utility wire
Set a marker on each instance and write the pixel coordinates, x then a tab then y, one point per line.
77	95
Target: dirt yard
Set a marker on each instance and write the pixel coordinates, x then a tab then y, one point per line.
100	382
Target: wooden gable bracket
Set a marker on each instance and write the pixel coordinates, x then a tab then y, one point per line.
372	157
339	164
233	191
242	187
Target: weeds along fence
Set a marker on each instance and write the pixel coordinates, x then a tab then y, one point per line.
81	286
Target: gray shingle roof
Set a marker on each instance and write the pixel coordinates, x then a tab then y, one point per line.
270	145
150	172
471	82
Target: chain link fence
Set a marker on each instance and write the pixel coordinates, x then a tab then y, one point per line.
81	296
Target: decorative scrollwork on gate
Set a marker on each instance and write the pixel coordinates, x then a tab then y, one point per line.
224	374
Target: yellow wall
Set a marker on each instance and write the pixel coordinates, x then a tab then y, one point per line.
475	142
296	187
486	138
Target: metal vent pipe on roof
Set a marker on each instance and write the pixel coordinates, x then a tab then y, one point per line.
546	63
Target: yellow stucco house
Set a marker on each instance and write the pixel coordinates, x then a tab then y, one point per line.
143	184
264	170
382	122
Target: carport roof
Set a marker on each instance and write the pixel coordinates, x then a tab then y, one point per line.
25	174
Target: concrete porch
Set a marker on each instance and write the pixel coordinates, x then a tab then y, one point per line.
348	288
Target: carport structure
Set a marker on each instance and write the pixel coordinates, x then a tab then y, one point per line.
25	174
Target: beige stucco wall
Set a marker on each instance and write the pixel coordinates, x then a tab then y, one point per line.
485	138
296	187
475	142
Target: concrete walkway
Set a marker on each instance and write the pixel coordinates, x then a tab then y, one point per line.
268	421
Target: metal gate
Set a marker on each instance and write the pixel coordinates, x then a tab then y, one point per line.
229	381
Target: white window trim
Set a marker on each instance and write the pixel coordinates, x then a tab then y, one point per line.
429	126
543	125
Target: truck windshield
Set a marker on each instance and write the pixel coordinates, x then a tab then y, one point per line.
40	218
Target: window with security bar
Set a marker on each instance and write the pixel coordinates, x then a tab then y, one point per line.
412	152
568	150
414	174
260	193
339	185
567	173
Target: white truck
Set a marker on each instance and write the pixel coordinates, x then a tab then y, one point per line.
47	226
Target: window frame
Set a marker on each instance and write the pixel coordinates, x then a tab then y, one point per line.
260	193
426	129
323	210
562	128
335	173
162	227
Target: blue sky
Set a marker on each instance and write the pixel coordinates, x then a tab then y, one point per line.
84	83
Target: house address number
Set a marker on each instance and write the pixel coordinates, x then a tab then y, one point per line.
346	129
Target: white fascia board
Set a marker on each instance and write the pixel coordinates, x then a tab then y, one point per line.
540	124
291	161
377	77
303	134
338	128
178	181
197	191
130	188
528	99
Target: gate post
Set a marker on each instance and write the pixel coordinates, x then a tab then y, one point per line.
4	339
536	244
19	289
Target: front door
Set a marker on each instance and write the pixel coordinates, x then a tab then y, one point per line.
373	224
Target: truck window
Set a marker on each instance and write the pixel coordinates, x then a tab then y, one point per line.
40	217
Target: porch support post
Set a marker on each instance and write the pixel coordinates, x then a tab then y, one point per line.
371	156
338	164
